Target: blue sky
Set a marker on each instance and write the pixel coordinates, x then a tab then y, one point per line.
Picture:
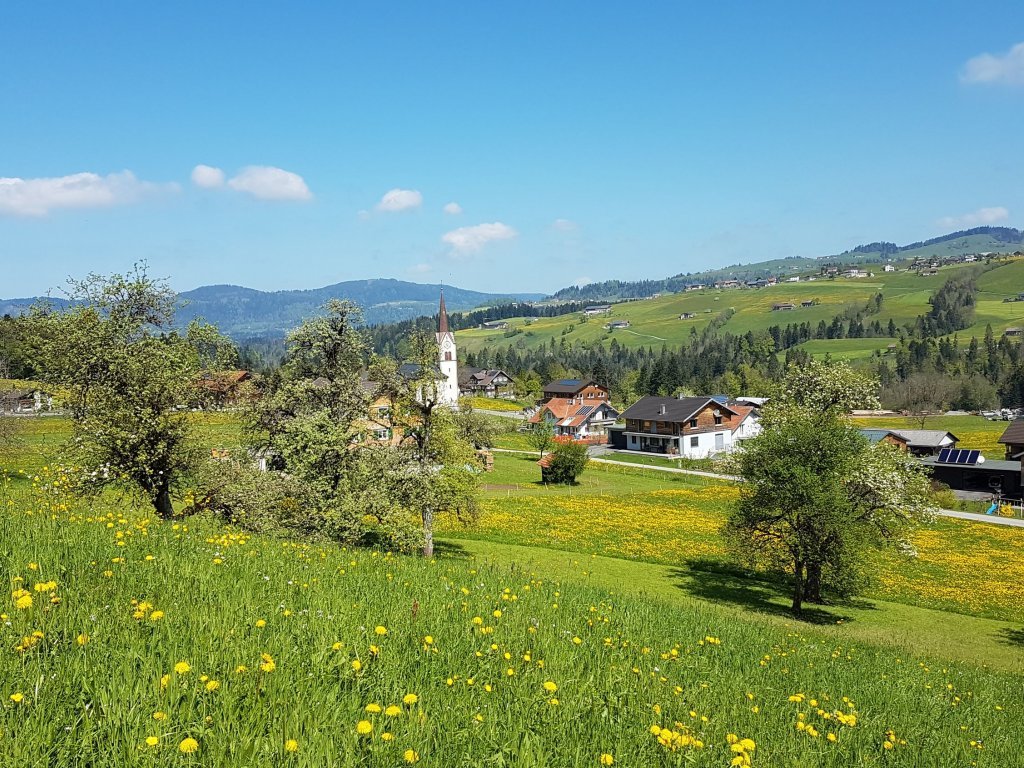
578	141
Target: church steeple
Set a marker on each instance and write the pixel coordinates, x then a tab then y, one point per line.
447	360
442	319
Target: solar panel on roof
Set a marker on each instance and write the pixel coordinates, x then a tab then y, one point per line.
585	411
965	456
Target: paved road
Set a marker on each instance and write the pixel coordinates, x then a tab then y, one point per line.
1014	522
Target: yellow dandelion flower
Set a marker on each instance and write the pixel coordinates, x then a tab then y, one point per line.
607	759
373	709
386	736
212	685
152	741
182	668
267	663
364	727
392	711
410	756
261	623
357	665
409	699
24	602
17	698
380	630
156	615
82	639
291	746
188	745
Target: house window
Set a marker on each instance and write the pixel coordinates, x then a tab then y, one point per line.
693	423
694	441
718	419
448	356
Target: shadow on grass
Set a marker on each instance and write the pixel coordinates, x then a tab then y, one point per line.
450	550
721	583
1012	636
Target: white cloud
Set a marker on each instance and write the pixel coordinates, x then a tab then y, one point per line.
400	200
38	197
453	208
469	239
977	218
265	182
564	225
1007	68
207	176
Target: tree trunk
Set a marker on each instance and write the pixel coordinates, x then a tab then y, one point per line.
798	586
812	587
428	532
162	502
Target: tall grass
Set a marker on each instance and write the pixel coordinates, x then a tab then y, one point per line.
145	638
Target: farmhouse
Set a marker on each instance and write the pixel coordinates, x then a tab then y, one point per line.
786	306
926	442
749	425
694	427
967	470
875	436
494	325
581	389
223	388
687	316
727	284
1012	332
1013	439
809	303
24	401
484	382
855	273
617	324
576	417
598	309
889	268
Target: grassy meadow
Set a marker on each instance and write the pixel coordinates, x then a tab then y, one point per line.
131	641
654	322
675	520
582	626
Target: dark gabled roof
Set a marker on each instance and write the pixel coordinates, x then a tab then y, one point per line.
1014	434
676	409
569	386
415	370
925	438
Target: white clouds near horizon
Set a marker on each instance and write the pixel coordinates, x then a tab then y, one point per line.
470	239
1006	68
395	200
978	218
38	197
452	208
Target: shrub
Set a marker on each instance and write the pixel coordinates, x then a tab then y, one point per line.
566	461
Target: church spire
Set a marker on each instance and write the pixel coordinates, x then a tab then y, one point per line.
442	320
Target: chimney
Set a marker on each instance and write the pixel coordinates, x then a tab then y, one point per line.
662	411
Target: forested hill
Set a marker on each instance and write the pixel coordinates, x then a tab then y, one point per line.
245	312
962	242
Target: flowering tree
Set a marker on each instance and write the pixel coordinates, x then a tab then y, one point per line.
816	494
126	374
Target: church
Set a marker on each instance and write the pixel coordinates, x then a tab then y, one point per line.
447	360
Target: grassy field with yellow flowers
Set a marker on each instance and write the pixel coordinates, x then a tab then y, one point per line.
129	641
659	517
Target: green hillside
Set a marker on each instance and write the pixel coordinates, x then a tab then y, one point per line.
654	322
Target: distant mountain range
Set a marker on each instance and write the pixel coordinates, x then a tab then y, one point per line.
977	240
245	312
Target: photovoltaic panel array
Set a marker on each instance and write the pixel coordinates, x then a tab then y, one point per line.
585	411
958	456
